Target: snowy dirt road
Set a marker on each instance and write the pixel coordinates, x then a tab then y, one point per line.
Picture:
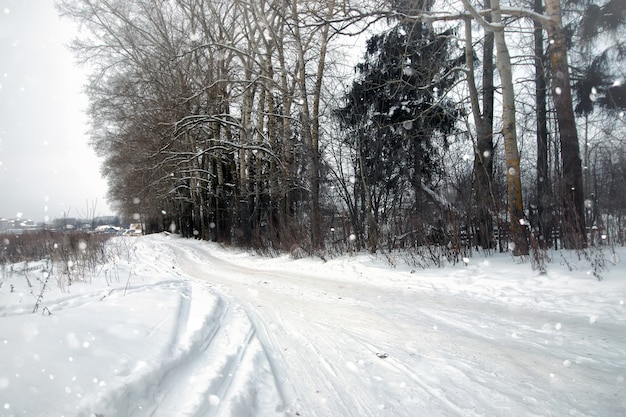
344	342
175	327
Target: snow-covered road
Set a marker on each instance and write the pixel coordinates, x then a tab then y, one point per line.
188	328
342	346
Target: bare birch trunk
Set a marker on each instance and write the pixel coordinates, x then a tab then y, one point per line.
509	132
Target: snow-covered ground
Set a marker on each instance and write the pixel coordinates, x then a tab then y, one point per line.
186	328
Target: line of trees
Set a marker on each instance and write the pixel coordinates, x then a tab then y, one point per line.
237	121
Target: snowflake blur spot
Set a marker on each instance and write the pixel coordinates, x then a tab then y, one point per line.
614	158
212	225
172	227
557	91
136	216
352	237
136	200
512	171
352	179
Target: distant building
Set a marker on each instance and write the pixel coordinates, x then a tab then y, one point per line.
19	226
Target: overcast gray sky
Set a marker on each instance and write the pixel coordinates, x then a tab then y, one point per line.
47	168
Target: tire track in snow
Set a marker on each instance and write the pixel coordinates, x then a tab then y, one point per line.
140	390
213	366
229	371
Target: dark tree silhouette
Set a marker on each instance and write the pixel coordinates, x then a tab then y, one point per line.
399	117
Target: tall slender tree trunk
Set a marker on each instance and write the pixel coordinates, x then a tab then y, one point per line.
485	139
483	119
509	132
543	180
572	181
311	112
305	118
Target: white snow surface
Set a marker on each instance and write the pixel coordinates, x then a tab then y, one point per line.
179	327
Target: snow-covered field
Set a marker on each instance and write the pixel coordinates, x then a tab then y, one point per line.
186	328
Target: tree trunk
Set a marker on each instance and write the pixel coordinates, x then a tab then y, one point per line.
485	142
572	182
514	184
543	202
310	114
483	119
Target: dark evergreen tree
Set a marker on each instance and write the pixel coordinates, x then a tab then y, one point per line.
399	119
